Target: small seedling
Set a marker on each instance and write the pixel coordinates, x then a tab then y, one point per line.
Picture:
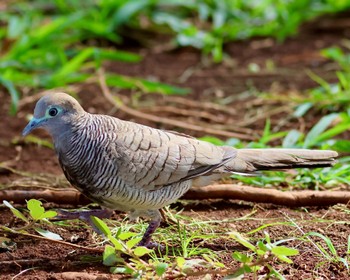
37	214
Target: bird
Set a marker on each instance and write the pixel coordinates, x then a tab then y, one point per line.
126	166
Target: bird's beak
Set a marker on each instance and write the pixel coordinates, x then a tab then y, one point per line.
33	124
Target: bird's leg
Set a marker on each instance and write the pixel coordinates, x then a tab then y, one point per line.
147	236
85	216
155	219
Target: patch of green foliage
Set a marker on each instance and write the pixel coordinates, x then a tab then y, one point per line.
333	97
36	215
48	44
263	256
208	24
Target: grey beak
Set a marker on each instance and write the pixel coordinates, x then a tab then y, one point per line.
34	123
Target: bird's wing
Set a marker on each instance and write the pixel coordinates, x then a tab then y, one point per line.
152	158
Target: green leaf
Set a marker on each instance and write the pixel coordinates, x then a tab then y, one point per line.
302	109
48	214
14	211
284	259
146	86
141	250
239	238
103	54
121	270
126	11
110	257
126	235
35	208
320	127
285	251
132	242
262	246
101	225
117	244
161	268
13	93
291	139
48	234
180	261
243	258
74	64
327	240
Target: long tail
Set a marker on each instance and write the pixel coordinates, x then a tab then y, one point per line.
250	160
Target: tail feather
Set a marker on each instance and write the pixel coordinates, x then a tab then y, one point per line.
251	160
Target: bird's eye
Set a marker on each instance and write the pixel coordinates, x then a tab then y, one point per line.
53	112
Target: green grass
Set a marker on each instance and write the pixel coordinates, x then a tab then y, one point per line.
49	44
270	246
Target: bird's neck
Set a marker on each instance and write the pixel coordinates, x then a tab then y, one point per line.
63	134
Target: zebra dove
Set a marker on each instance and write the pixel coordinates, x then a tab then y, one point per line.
135	168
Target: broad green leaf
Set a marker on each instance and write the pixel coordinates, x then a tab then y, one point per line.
161	268
48	234
126	235
101	225
285	251
141	250
48	214
132	242
15	212
241	257
180	261
36	210
109	256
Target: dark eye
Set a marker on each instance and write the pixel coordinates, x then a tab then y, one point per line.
53	112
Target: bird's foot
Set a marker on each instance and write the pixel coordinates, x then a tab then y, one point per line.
85	216
146	239
152	245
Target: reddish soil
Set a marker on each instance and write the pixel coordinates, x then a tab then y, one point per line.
230	84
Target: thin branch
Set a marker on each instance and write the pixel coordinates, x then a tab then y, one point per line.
258	195
219	191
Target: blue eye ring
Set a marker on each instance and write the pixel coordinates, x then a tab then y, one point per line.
53	112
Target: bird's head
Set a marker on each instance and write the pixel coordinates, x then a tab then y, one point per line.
52	112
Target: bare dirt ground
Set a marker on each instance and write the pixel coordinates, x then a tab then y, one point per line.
230	84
